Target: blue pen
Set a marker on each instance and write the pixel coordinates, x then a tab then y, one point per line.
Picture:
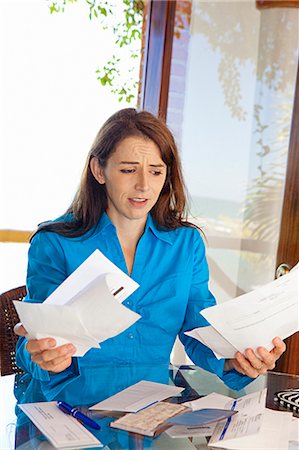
67	409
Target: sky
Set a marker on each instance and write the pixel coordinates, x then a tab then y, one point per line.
51	106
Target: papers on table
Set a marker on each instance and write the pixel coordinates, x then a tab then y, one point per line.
149	421
212	400
63	431
201	417
249	407
137	397
85	309
180	431
253	427
253	319
273	433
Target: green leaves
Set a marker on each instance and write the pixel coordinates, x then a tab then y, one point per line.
124	18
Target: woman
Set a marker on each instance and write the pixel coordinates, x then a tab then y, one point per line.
131	206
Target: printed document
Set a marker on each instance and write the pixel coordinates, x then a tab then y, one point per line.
273	432
138	396
253	319
254	427
62	430
85	309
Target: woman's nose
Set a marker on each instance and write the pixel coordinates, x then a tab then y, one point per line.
142	182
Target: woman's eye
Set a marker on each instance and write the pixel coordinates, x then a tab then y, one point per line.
156	172
127	170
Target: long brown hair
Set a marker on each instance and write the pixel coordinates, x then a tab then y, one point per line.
90	200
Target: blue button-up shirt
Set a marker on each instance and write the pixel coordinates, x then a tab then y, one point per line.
172	271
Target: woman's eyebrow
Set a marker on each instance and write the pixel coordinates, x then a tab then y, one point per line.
137	162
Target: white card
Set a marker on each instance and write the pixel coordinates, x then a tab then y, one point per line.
62	430
137	397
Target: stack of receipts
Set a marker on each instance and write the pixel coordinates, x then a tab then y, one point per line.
253	319
254	427
85	309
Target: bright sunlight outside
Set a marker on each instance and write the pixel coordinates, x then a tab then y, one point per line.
52	105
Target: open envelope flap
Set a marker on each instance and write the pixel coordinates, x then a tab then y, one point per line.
49	320
102	315
88	272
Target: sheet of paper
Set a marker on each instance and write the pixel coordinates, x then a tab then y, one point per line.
137	397
62	431
212	400
273	433
247	422
180	431
294	434
214	340
94	266
91	313
201	417
254	319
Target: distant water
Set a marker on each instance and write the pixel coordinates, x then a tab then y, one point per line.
214	208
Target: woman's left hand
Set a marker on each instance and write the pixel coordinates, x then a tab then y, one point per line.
252	365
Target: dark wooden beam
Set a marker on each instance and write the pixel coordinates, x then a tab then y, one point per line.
157	56
267	4
288	247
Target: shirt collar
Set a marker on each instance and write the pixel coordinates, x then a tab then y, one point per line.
103	223
165	236
162	235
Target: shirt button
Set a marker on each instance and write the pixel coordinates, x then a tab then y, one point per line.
129	302
130	336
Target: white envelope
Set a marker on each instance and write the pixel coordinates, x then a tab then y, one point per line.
137	397
83	309
62	430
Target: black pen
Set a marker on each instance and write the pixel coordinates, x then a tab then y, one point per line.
67	409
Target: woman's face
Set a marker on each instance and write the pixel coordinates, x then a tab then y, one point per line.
134	177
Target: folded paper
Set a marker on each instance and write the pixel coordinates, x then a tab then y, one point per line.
83	309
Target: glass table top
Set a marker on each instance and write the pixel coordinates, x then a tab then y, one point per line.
17	431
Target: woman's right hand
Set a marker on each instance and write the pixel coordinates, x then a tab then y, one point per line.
44	354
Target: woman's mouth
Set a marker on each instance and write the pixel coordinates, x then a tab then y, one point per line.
138	202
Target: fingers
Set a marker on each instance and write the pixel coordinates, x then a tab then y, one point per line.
57	365
44	353
279	347
245	366
260	364
49	358
235	364
55	360
39	345
253	365
19	330
268	359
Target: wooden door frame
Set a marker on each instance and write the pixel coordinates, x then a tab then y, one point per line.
158	42
288	246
